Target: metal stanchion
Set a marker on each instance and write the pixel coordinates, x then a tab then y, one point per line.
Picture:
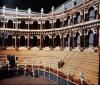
44	70
38	70
25	71
26	62
17	70
8	64
0	64
49	71
57	72
82	78
17	67
33	72
68	74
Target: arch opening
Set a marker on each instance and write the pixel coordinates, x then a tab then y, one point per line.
68	21
78	18
90	38
47	24
91	13
22	24
22	41
9	40
58	23
78	39
10	24
1	23
47	41
57	40
35	25
35	41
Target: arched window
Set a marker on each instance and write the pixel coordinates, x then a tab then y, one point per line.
58	23
22	25
68	21
47	24
22	41
35	25
78	18
10	24
90	38
91	13
9	40
68	40
35	41
57	40
78	39
46	41
1	24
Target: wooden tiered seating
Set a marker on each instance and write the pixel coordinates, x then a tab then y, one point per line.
86	62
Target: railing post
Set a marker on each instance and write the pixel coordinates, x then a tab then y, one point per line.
38	69
49	71
44	69
57	73
82	78
68	74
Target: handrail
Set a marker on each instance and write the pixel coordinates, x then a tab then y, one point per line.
54	72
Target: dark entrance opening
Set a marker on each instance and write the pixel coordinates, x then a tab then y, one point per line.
34	42
57	40
9	40
11	59
22	41
46	41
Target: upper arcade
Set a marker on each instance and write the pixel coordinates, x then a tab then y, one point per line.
81	22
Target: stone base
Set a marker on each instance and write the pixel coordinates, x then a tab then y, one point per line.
34	48
46	48
57	48
22	48
90	49
76	49
10	48
67	49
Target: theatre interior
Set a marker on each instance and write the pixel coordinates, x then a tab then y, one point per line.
60	47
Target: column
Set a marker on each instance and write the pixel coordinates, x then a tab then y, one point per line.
4	41
72	40
28	36
52	24
97	14
84	28
62	41
15	41
62	22
99	37
53	45
41	27
4	23
99	26
13	25
40	42
72	31
52	33
16	36
84	38
42	39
